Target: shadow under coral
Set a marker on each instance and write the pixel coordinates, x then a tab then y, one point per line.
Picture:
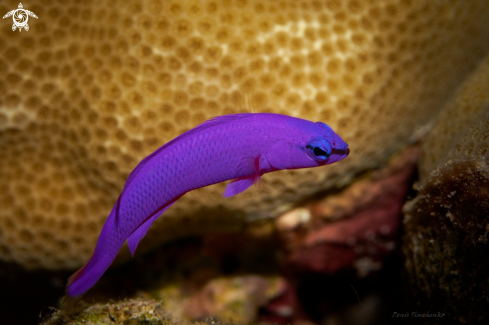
193	262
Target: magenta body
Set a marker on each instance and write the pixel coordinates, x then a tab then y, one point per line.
241	147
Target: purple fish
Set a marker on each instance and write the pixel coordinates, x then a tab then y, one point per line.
242	147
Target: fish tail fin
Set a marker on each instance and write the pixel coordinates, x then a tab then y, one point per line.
107	247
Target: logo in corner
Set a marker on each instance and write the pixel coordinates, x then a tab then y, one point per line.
20	17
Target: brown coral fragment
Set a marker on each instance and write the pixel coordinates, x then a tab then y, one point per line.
446	238
92	88
447	228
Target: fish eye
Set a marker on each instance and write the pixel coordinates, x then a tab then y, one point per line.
319	152
319	149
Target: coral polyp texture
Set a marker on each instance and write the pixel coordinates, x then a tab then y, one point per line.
95	86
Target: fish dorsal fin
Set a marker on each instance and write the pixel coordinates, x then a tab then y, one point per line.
221	119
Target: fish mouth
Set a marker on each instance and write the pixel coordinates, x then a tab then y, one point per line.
341	152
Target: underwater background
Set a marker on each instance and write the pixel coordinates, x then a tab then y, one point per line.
396	230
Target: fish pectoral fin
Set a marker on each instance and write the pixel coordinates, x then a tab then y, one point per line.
138	234
242	183
238	185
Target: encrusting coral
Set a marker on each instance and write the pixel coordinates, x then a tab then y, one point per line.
446	225
134	311
95	86
128	312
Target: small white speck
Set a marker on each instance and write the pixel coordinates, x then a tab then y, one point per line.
285	311
293	219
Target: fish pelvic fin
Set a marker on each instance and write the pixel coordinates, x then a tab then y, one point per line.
138	234
240	184
117	209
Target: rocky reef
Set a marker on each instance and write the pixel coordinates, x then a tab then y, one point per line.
131	312
128	312
356	227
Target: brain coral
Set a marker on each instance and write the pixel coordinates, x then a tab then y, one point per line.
95	86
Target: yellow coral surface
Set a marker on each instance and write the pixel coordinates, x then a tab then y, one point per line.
95	86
